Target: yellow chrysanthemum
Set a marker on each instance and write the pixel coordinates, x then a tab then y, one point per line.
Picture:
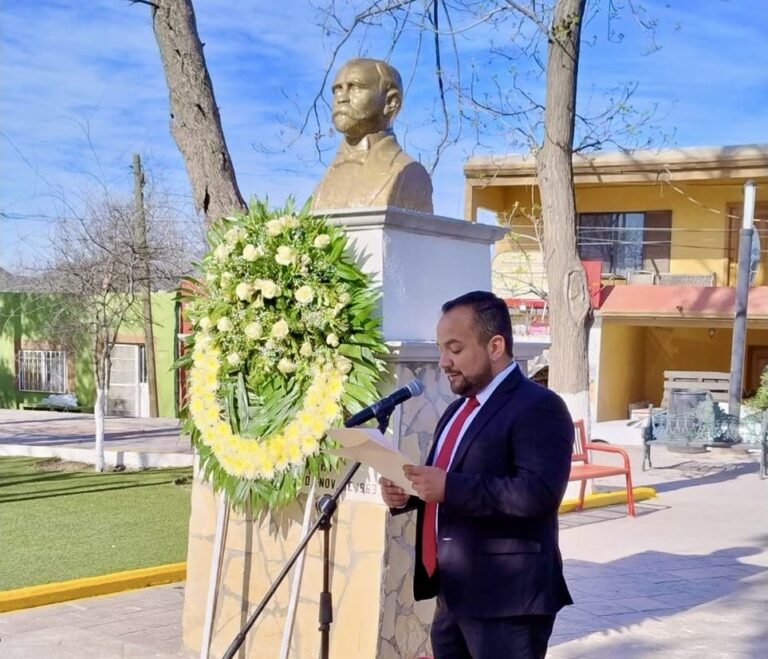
267	456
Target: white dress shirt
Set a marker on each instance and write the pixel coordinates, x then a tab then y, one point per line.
482	398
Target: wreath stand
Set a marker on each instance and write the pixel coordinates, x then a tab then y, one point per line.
217	556
326	506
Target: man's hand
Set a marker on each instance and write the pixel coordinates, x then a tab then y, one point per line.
429	482
394	496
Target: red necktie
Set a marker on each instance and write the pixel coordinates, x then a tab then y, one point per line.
428	531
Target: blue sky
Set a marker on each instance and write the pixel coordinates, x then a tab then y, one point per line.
82	89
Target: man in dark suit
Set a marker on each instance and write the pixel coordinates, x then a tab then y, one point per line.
488	496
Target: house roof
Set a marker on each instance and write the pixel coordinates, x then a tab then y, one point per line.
646	165
11	283
680	303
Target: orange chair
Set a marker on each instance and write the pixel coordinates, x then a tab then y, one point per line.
583	470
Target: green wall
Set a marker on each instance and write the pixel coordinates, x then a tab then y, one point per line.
28	316
10	325
164	324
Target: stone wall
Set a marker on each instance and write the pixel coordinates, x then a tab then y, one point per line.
404	629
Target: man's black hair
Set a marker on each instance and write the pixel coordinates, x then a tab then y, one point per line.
491	316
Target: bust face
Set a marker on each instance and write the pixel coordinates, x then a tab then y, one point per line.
359	104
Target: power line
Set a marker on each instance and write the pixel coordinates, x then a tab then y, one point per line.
614	228
32	217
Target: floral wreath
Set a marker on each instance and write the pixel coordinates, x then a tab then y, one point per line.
286	339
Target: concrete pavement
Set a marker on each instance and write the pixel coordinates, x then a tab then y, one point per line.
70	436
688	578
136	625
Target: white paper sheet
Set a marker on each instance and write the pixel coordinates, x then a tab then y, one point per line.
369	446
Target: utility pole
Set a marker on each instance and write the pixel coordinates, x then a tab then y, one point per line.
149	334
742	300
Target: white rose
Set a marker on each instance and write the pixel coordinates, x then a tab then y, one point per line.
306	349
322	241
244	290
280	329
233	358
274	227
221	252
332	340
285	255
204	323
344	365
289	221
251	252
253	330
286	366
304	295
224	325
232	236
268	288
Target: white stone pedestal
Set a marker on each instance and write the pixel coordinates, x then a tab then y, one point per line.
420	261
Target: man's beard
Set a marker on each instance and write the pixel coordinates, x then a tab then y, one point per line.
470	386
349	121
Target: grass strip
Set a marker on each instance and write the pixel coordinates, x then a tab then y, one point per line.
61	521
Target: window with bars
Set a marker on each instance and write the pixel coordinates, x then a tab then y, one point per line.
42	370
626	242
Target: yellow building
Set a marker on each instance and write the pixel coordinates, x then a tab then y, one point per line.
662	227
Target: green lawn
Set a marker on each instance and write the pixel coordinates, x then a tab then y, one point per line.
62	521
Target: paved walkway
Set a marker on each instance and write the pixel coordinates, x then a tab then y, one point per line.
688	578
135	625
68	435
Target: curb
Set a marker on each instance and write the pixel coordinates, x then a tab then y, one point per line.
132	459
602	499
105	584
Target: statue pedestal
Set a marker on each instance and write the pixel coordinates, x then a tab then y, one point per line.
420	261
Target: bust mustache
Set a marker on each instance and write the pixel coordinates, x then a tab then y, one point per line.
355	123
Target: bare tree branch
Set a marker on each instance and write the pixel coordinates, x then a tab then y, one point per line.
530	14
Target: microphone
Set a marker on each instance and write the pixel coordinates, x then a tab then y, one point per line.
386	404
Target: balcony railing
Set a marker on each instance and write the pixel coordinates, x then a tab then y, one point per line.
645	277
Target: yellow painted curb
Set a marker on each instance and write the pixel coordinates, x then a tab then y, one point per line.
602	499
105	584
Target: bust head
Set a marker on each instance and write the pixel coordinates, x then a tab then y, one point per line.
367	94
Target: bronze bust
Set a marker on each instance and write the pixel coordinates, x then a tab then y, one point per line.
370	168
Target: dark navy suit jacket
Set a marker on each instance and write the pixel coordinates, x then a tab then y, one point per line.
498	551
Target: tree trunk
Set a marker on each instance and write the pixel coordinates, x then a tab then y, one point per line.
195	120
569	302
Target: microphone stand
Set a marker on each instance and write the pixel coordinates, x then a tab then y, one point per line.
326	505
